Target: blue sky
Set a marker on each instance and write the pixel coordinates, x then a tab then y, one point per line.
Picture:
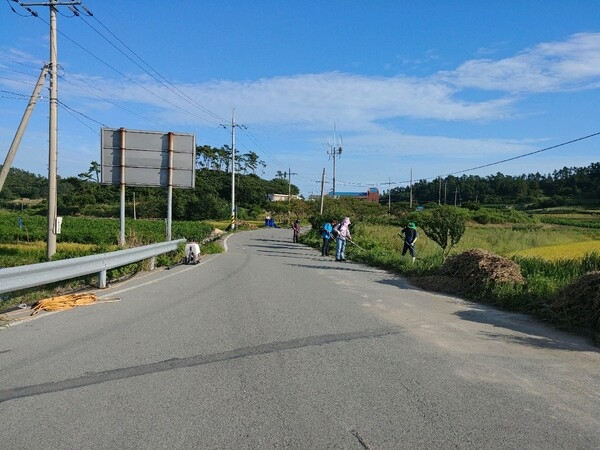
432	87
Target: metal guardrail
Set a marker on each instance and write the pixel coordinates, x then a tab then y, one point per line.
23	277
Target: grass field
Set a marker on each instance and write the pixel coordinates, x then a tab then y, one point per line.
572	250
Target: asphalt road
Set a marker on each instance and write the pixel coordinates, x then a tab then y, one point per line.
269	345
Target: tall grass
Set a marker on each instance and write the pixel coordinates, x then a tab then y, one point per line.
506	240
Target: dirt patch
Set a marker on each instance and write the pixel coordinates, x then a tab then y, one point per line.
469	271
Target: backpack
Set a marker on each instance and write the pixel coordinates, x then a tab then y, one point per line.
336	230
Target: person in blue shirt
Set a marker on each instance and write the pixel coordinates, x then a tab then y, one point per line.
327	236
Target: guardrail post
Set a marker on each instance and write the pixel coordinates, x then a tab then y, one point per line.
102	279
152	263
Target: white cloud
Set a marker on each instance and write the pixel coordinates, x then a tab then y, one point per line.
360	100
547	67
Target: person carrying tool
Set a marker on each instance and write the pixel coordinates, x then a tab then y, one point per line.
327	236
410	235
343	233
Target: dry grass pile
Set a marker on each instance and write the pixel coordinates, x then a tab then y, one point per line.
578	304
471	270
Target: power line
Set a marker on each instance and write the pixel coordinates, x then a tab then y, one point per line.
152	72
129	78
527	154
107	99
545	149
13	61
72	110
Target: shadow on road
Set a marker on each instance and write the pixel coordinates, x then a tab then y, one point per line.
534	333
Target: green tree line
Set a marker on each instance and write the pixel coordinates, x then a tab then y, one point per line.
569	185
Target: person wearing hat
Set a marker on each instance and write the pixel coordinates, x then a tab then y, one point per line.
343	233
409	234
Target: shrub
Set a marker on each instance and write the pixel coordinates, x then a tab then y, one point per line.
445	225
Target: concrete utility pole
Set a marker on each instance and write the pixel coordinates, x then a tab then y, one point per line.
14	146
233	170
335	151
233	125
411	185
290	183
389	183
53	121
53	133
322	190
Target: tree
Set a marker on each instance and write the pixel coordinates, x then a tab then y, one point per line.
444	225
206	157
93	173
251	161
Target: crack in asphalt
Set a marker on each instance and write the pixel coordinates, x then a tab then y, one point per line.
177	363
361	440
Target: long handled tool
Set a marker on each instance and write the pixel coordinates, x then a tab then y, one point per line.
412	247
352	242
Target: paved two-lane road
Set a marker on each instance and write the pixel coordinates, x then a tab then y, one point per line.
272	346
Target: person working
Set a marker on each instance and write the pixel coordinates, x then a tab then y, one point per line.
327	236
296	228
410	235
343	233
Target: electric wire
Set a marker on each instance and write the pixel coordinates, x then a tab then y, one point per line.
13	93
18	14
106	99
545	149
152	71
72	110
127	77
